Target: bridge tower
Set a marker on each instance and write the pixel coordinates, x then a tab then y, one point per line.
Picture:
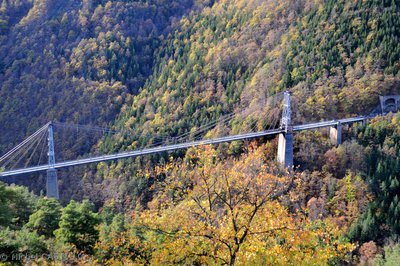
285	144
52	182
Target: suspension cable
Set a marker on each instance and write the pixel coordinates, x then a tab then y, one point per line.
92	128
34	151
41	152
22	149
25	152
2	158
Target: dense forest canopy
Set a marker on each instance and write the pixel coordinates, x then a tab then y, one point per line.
163	68
76	60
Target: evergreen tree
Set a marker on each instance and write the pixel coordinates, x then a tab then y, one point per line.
46	218
16	205
21	243
78	226
384	211
6	212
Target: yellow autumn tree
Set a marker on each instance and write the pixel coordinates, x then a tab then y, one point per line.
228	213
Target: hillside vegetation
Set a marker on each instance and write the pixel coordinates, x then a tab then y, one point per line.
233	56
166	68
76	61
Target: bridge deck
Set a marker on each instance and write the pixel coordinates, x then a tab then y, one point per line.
154	150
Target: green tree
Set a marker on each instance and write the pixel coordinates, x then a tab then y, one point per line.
30	242
16	204
46	218
21	242
7	243
23	205
383	168
392	256
6	213
106	249
78	226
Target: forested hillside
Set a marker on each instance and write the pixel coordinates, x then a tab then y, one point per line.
207	68
233	56
76	61
165	68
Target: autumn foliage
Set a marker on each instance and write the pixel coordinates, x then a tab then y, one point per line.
209	211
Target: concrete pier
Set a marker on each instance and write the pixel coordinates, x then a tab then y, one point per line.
285	150
335	134
52	184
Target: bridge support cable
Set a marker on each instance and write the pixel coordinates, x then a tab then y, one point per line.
167	140
199	134
24	155
204	128
13	157
21	153
23	143
92	129
41	152
224	120
274	120
40	140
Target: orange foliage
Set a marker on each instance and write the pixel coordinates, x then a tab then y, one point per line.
212	212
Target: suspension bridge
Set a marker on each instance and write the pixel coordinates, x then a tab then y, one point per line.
27	148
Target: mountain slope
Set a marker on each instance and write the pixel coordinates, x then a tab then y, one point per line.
231	56
234	55
212	65
75	60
